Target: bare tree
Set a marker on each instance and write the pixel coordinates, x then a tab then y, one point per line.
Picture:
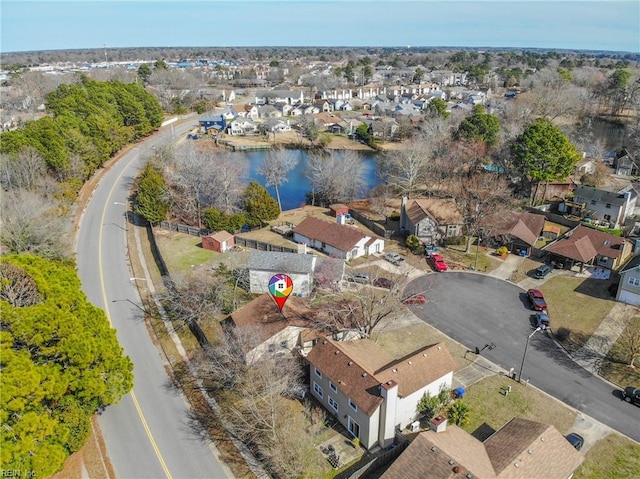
26	169
629	340
17	287
551	96
278	162
406	170
32	224
335	176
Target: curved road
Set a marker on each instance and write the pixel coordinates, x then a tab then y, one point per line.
149	433
475	310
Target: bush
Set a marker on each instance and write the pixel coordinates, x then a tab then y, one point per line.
563	334
454	240
502	250
394	216
414	244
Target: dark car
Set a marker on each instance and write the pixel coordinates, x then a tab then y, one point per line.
576	440
542	320
632	395
542	271
383	283
537	300
418	298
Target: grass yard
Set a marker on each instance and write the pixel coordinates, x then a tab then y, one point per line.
578	304
456	258
613	457
616	367
402	341
181	251
489	405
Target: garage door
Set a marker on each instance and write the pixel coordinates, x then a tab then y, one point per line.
629	298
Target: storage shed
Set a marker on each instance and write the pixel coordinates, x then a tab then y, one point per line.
221	241
339	209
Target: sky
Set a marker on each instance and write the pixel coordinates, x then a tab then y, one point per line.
29	25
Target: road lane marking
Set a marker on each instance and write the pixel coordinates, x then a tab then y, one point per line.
143	420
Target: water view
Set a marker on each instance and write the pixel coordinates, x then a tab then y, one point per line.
292	193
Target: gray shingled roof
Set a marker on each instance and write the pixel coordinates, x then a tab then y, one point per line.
281	262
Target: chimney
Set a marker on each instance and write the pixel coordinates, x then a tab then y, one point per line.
439	424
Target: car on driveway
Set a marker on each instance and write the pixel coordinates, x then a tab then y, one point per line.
437	263
542	320
576	440
394	258
631	395
418	298
383	283
536	299
362	278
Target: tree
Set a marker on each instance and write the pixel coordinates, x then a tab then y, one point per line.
414	244
543	153
152	199
216	220
458	413
437	107
277	164
480	125
61	362
617	90
26	169
418	75
430	406
629	341
259	206
406	170
144	72
335	177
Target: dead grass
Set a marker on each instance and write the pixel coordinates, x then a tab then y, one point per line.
577	304
186	251
613	457
489	405
457	258
615	367
402	341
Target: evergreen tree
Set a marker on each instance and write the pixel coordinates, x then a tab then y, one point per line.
152	200
259	206
480	125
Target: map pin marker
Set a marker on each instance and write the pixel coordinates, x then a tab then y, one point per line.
280	287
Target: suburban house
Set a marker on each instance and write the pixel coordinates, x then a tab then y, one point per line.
212	123
629	286
262	265
259	328
242	126
270	97
624	164
340	241
431	219
221	241
518	231
612	207
588	246
371	393
520	449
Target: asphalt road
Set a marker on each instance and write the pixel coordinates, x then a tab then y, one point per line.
148	434
476	310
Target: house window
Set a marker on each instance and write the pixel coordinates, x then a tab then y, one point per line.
332	403
607	217
318	389
634	281
608	205
318	372
333	387
353	405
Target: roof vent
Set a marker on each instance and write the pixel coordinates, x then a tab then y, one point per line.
394	370
424	355
434	448
350	363
410	362
456	469
451	462
337	352
469	475
324	342
542	439
364	375
516	464
390	382
439	348
530	451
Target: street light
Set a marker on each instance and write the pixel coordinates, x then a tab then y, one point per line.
524	356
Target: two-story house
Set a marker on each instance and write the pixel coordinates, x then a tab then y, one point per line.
431	219
629	286
211	123
371	393
340	241
612	207
624	164
262	265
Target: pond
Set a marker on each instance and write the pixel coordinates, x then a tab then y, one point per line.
292	193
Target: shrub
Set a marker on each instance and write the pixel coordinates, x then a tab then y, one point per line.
394	216
563	334
414	244
454	240
502	250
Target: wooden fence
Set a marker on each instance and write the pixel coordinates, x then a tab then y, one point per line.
191	230
262	245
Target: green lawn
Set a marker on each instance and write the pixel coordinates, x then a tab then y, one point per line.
181	251
613	457
489	405
577	304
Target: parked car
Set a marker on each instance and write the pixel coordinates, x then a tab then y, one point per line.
418	298
576	440
542	320
437	263
537	300
362	278
631	395
542	271
383	283
394	258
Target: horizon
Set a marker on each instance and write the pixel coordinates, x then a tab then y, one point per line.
600	26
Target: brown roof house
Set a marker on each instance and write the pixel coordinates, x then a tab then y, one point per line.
515	230
583	245
259	328
521	449
340	241
431	219
371	393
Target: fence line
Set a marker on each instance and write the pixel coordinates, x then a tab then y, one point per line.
263	246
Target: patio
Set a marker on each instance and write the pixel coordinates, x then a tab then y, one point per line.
339	450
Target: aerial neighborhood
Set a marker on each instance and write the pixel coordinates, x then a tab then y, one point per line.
404	263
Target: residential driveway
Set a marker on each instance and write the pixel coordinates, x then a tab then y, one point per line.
477	310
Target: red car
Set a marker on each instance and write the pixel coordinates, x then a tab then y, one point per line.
437	263
537	300
415	299
383	283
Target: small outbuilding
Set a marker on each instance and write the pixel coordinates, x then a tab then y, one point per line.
339	209
221	241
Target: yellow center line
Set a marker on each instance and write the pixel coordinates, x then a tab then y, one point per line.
154	445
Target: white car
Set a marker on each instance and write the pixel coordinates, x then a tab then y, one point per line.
394	258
